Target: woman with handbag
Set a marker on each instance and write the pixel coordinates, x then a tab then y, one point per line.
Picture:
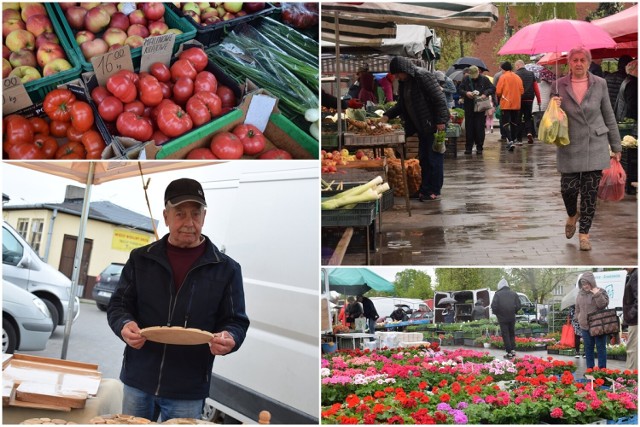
590	299
476	90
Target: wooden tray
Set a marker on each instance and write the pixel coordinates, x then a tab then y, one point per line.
176	335
50	394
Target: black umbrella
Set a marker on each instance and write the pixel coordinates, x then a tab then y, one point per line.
457	75
467	61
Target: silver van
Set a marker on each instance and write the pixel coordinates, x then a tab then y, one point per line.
22	266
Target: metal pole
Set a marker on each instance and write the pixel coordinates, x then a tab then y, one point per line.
338	80
78	258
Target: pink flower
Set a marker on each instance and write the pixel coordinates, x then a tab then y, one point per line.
581	406
556	413
595	403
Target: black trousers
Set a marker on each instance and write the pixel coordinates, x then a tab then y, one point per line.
526	119
511	123
585	185
508	332
474	130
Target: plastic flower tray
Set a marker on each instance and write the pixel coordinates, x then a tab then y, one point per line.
625	420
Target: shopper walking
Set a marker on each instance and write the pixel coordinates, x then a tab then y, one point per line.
630	316
504	137
505	305
531	91
475	85
423	107
593	132
590	299
509	91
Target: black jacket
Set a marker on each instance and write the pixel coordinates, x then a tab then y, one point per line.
505	305
421	103
482	84
479	312
211	298
630	300
527	81
370	311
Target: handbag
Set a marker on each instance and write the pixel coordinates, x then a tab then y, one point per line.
568	336
481	104
603	322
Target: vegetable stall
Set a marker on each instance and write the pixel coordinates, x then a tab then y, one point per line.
161	81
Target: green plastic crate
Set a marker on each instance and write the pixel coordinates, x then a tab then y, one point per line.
361	215
170	17
38	89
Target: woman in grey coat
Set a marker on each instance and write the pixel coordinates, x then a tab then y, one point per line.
592	131
591	298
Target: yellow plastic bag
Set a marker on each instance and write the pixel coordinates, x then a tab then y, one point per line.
554	126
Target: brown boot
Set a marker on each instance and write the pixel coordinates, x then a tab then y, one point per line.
585	245
570	226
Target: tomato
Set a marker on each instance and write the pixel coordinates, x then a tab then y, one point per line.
183	68
205	82
134	126
134	107
98	94
159	138
156	110
198	111
275	154
17	130
212	101
110	108
73	150
81	116
160	71
57	104
39	125
59	129
25	151
197	57
122	88
150	91
253	141
227	96
93	143
182	90
173	121
225	145
47	144
167	91
74	134
200	154
130	75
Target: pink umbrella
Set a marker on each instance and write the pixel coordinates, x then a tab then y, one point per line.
557	35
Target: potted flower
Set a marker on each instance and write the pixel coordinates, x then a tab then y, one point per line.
617	352
484	341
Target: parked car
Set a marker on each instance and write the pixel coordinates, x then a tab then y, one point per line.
26	321
106	283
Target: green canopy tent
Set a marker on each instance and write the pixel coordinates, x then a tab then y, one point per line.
357	281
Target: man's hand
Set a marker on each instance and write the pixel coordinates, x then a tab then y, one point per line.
384	119
131	335
469	95
221	343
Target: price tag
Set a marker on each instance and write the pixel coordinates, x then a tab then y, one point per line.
112	62
14	95
157	49
128	7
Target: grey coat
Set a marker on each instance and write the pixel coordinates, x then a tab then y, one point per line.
592	128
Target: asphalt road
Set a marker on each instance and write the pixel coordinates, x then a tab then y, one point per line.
91	341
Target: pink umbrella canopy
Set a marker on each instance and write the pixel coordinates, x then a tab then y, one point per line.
557	35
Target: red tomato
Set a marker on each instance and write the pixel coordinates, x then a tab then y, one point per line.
201	154
182	90
197	57
25	151
205	82
110	108
150	91
74	134
166	90
198	111
225	145
73	150
130	75
160	71
134	126
59	129
98	94
183	68
47	144
122	88
253	141
227	96
156	110
17	130
275	153
173	121
212	101
57	104
93	143
81	116
159	138
40	125
134	107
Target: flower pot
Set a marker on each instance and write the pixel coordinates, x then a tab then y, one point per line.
329	347
486	344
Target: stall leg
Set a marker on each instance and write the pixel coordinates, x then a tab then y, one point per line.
403	153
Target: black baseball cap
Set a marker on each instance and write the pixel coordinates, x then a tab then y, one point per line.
184	190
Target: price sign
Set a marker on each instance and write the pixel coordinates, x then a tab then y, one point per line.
128	7
112	62
14	95
157	49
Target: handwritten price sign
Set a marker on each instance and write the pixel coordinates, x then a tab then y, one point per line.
157	49
112	62
14	95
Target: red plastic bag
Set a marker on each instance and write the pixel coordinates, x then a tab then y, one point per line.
568	336
612	183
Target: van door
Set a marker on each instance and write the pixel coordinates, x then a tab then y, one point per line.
14	260
438	308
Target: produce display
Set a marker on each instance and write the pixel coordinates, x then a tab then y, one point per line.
206	14
414	176
629	142
348	199
330	160
31	49
300	15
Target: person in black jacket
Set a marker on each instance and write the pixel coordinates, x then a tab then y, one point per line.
181	280
479	311
630	317
423	107
531	91
370	313
475	85
505	305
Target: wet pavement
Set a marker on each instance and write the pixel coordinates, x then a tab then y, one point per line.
500	208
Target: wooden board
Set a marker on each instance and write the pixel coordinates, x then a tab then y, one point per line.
18	403
56	362
176	335
50	394
6	359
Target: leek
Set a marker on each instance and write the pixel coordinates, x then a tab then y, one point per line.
369	195
359	189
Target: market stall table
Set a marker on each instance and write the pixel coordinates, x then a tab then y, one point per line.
353	337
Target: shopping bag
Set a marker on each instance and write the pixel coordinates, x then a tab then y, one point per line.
603	322
554	126
612	183
361	324
568	336
481	104
498	114
439	142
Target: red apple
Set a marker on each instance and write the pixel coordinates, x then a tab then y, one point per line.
96	20
8	14
209	13
134	41
114	36
30	9
46	38
23	57
153	11
94	48
138	30
119	20
75	17
211	20
137	17
6	52
11	25
20	39
66	5
228	16
49	52
56	66
39	24
193	15
6	68
114	47
157	28
252	7
84	36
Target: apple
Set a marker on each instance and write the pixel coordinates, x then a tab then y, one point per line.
191	7
253	7
8	14
6	52
6	68
204	5
84	36
66	5
208	13
138	30
119	20
193	15
11	25
20	39
221	10
233	7
39	24
110	8
30	9
96	20
174	31
49	52
158	28
137	17
153	11
75	17
14	6
134	41
46	38
23	57
228	16
359	154
114	47
26	73
241	13
211	20
114	36
94	48
89	5
56	66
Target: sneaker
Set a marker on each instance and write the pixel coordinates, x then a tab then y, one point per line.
507	356
584	356
530	138
577	356
513	353
510	146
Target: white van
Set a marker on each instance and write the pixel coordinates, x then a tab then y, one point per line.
466	299
22	266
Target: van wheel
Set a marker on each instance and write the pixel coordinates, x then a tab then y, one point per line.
55	316
102	307
9	339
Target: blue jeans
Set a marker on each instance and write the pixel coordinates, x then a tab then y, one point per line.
432	165
140	404
600	343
